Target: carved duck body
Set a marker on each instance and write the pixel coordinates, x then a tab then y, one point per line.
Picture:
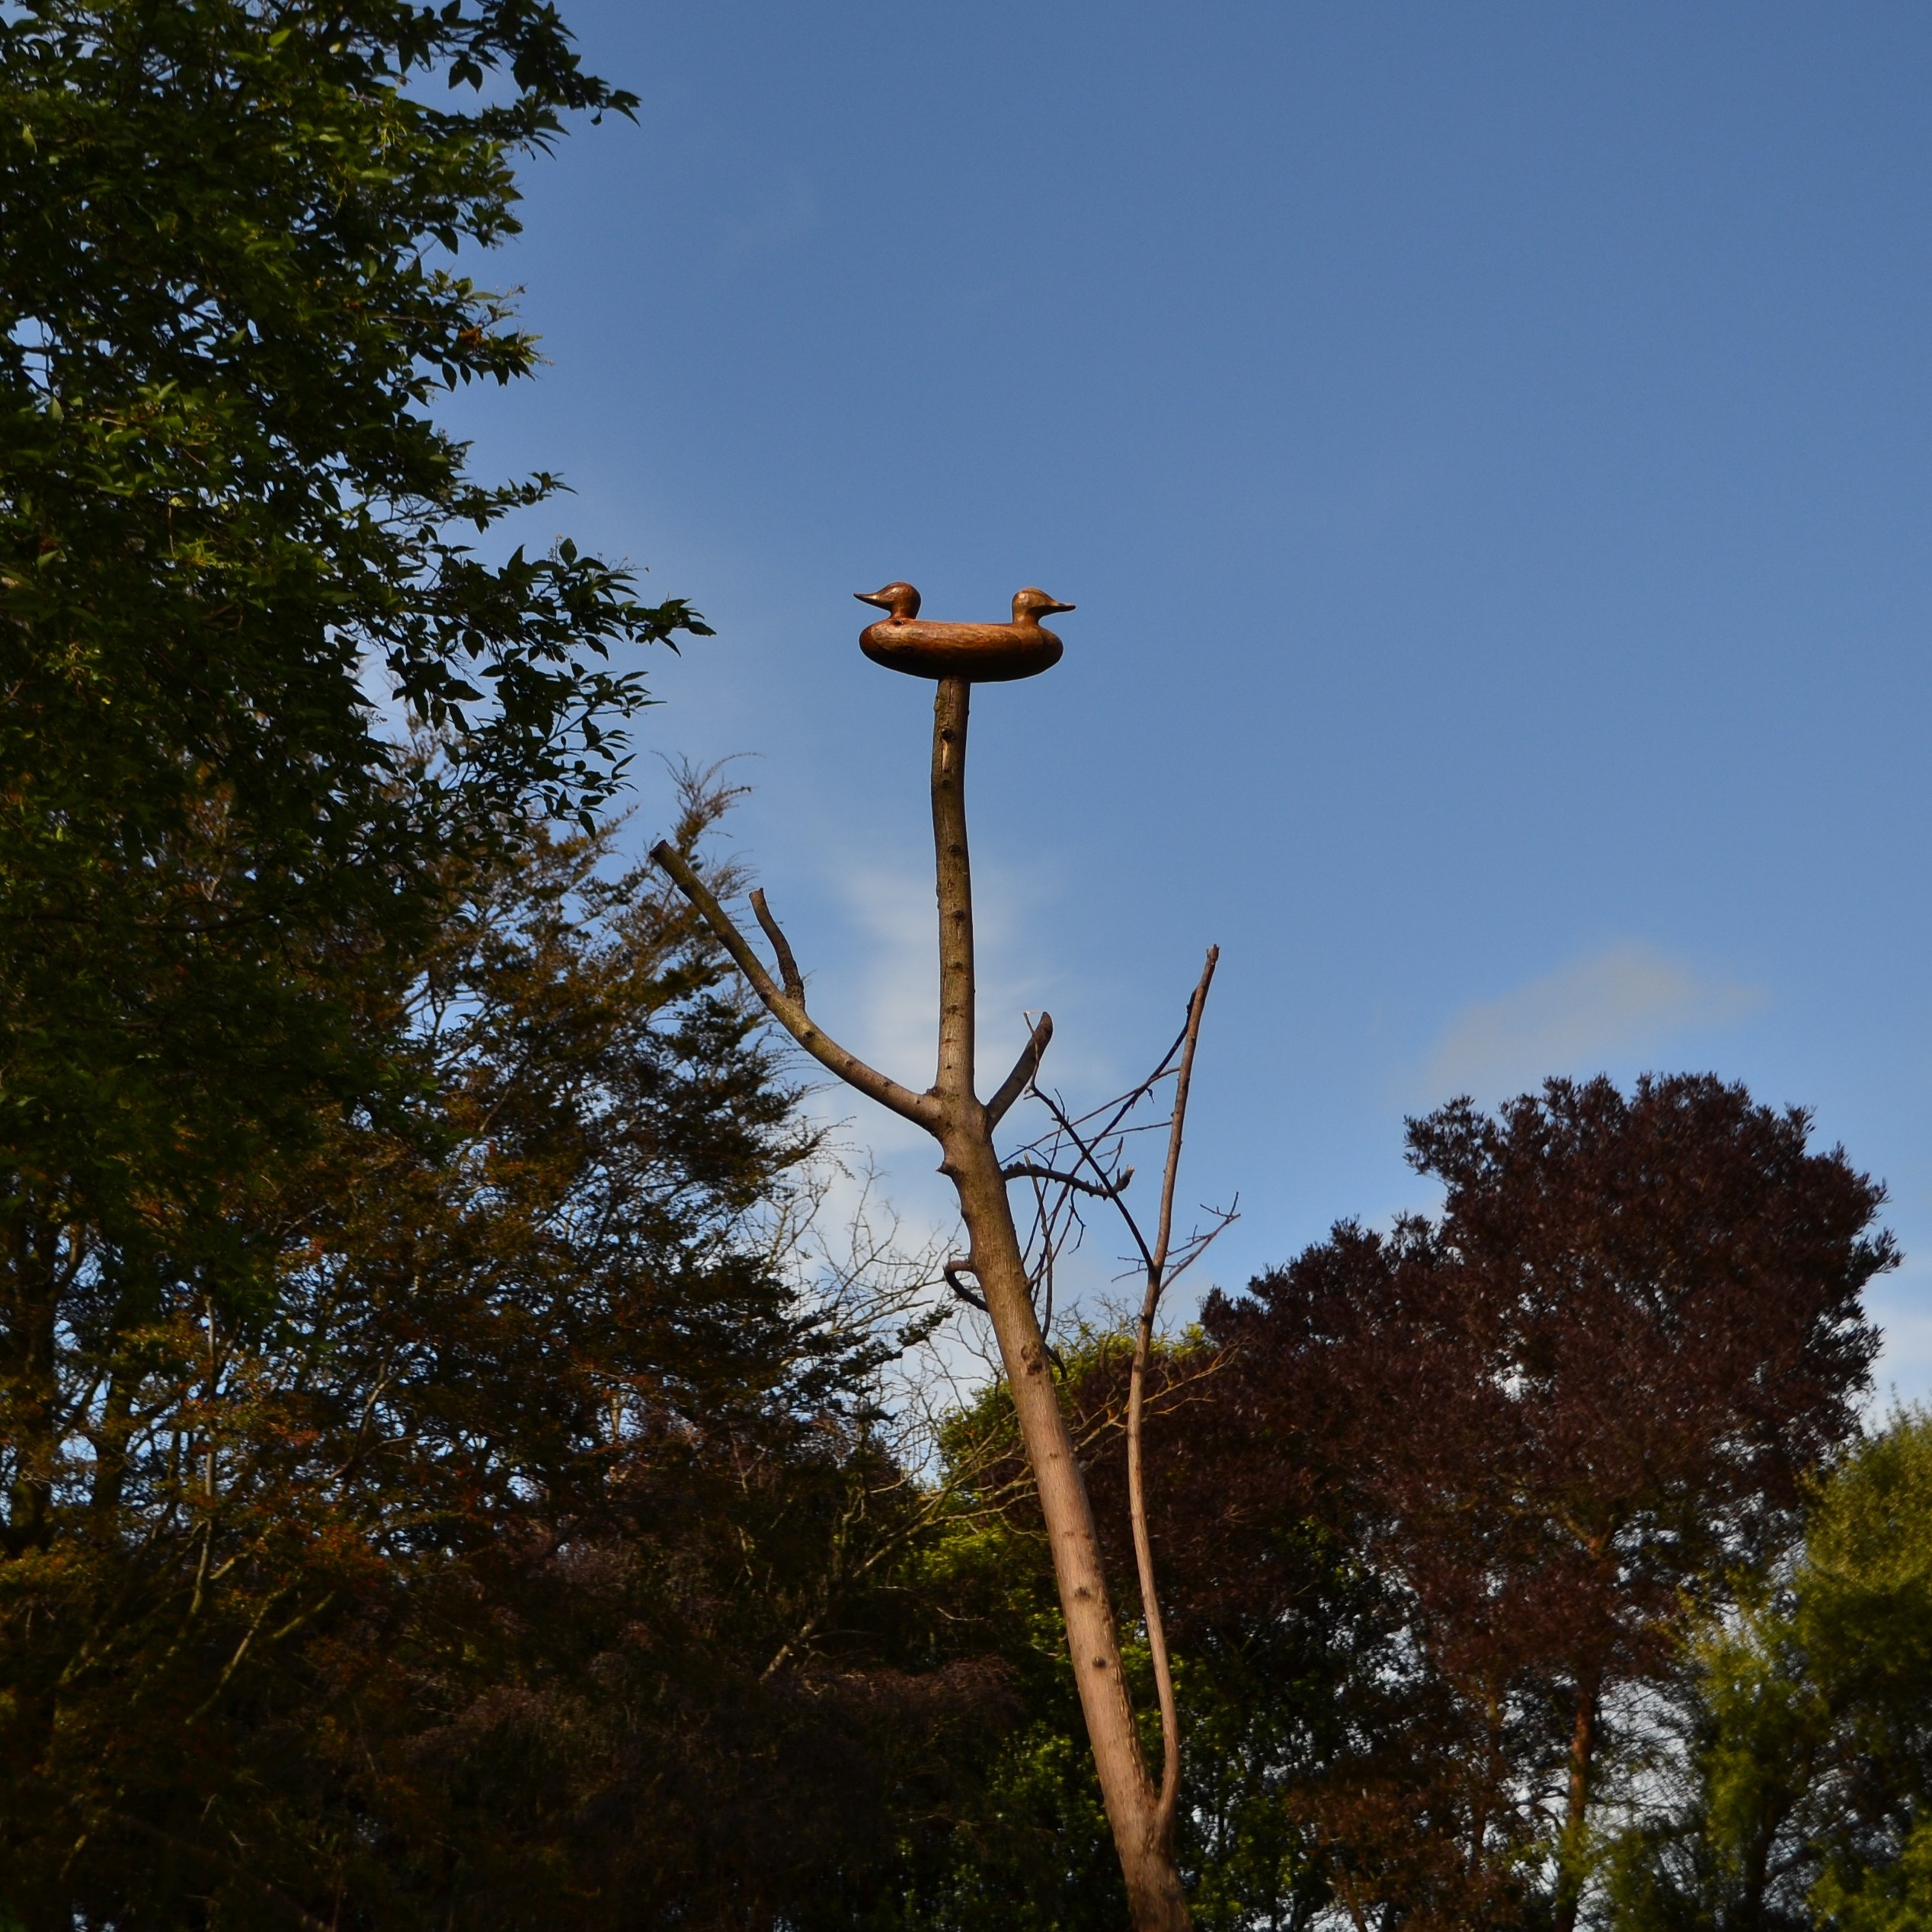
985	654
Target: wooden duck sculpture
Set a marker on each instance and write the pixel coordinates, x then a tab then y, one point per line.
985	654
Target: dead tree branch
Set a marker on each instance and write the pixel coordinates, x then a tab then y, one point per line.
789	1012
1027	1170
1157	1283
1094	1139
1022	1077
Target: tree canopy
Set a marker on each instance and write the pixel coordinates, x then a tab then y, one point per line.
239	559
1804	1783
1589	1394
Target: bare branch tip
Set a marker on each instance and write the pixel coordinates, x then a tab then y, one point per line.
788	966
1025	1069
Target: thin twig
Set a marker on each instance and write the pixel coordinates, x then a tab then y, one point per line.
1024	1170
1088	1155
1096	1137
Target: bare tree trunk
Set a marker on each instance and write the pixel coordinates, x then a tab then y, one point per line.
951	1111
1154	1896
1569	1874
30	1389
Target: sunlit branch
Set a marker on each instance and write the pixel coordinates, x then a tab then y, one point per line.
1137	1497
790	1013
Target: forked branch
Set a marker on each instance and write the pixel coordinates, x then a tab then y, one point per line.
1140	1815
786	1008
1095	1140
788	967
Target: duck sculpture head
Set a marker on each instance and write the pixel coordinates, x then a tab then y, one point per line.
901	600
982	654
1030	606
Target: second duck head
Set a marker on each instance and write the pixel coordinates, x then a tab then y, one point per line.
1030	605
901	600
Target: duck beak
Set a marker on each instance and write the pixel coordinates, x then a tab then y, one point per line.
877	599
1052	607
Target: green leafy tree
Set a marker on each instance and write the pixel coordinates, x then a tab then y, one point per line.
238	561
1863	1623
1807	1768
233	541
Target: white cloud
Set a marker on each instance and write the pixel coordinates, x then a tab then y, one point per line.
882	1002
1901	1305
896	1021
786	216
1626	1001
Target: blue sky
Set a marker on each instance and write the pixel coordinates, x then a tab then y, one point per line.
1488	447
